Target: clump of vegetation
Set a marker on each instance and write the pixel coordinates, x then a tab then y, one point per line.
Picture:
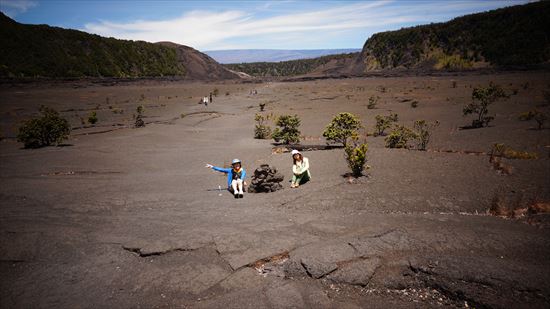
117	110
227	93
454	84
373	100
356	156
342	127
452	62
383	123
139	117
414	104
215	92
503	151
399	137
261	130
44	131
423	133
482	97
92	119
287	129
262	106
538	116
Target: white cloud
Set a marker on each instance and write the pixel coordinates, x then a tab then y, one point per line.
14	7
215	30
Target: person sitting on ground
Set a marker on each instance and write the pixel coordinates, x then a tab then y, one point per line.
300	169
235	177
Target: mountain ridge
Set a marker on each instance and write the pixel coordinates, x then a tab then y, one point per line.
31	51
234	56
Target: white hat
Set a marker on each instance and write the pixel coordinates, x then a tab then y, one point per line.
294	151
235	161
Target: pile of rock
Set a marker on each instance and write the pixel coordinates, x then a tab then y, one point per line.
265	179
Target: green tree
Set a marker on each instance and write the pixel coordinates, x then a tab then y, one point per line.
261	130
342	127
356	156
384	122
287	129
482	97
399	137
44	131
423	133
92	119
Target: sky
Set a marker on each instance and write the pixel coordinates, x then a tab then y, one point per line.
218	25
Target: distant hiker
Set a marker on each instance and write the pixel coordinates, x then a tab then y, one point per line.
300	169
235	177
210	97
205	101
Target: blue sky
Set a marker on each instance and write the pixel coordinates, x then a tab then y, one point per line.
213	25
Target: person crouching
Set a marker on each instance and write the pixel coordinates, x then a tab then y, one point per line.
235	177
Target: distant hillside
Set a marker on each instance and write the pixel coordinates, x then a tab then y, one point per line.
513	36
272	55
44	51
290	68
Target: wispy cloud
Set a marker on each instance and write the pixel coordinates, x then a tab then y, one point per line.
243	29
14	7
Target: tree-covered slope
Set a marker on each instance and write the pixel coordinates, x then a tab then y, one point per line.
513	36
44	51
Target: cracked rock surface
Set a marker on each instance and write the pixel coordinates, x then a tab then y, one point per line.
146	226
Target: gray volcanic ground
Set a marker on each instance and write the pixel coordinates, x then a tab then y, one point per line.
130	218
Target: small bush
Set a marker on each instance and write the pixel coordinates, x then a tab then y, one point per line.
261	130
356	156
399	137
414	104
215	92
342	127
503	151
373	100
383	123
92	119
423	133
44	131
482	97
538	116
262	107
287	129
139	118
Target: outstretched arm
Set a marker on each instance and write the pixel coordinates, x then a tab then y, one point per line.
218	169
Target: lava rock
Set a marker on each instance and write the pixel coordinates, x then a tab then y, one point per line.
266	179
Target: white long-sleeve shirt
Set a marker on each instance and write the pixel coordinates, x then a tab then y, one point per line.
301	167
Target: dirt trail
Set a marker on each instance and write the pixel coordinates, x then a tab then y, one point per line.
132	218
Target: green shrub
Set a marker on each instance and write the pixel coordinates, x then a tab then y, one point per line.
215	92
501	150
482	97
44	131
423	133
139	118
287	129
261	130
92	119
383	123
356	156
399	137
526	116
373	100
342	127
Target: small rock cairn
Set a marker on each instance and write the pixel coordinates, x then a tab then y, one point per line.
266	179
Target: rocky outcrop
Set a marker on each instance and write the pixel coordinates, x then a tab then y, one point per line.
266	179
